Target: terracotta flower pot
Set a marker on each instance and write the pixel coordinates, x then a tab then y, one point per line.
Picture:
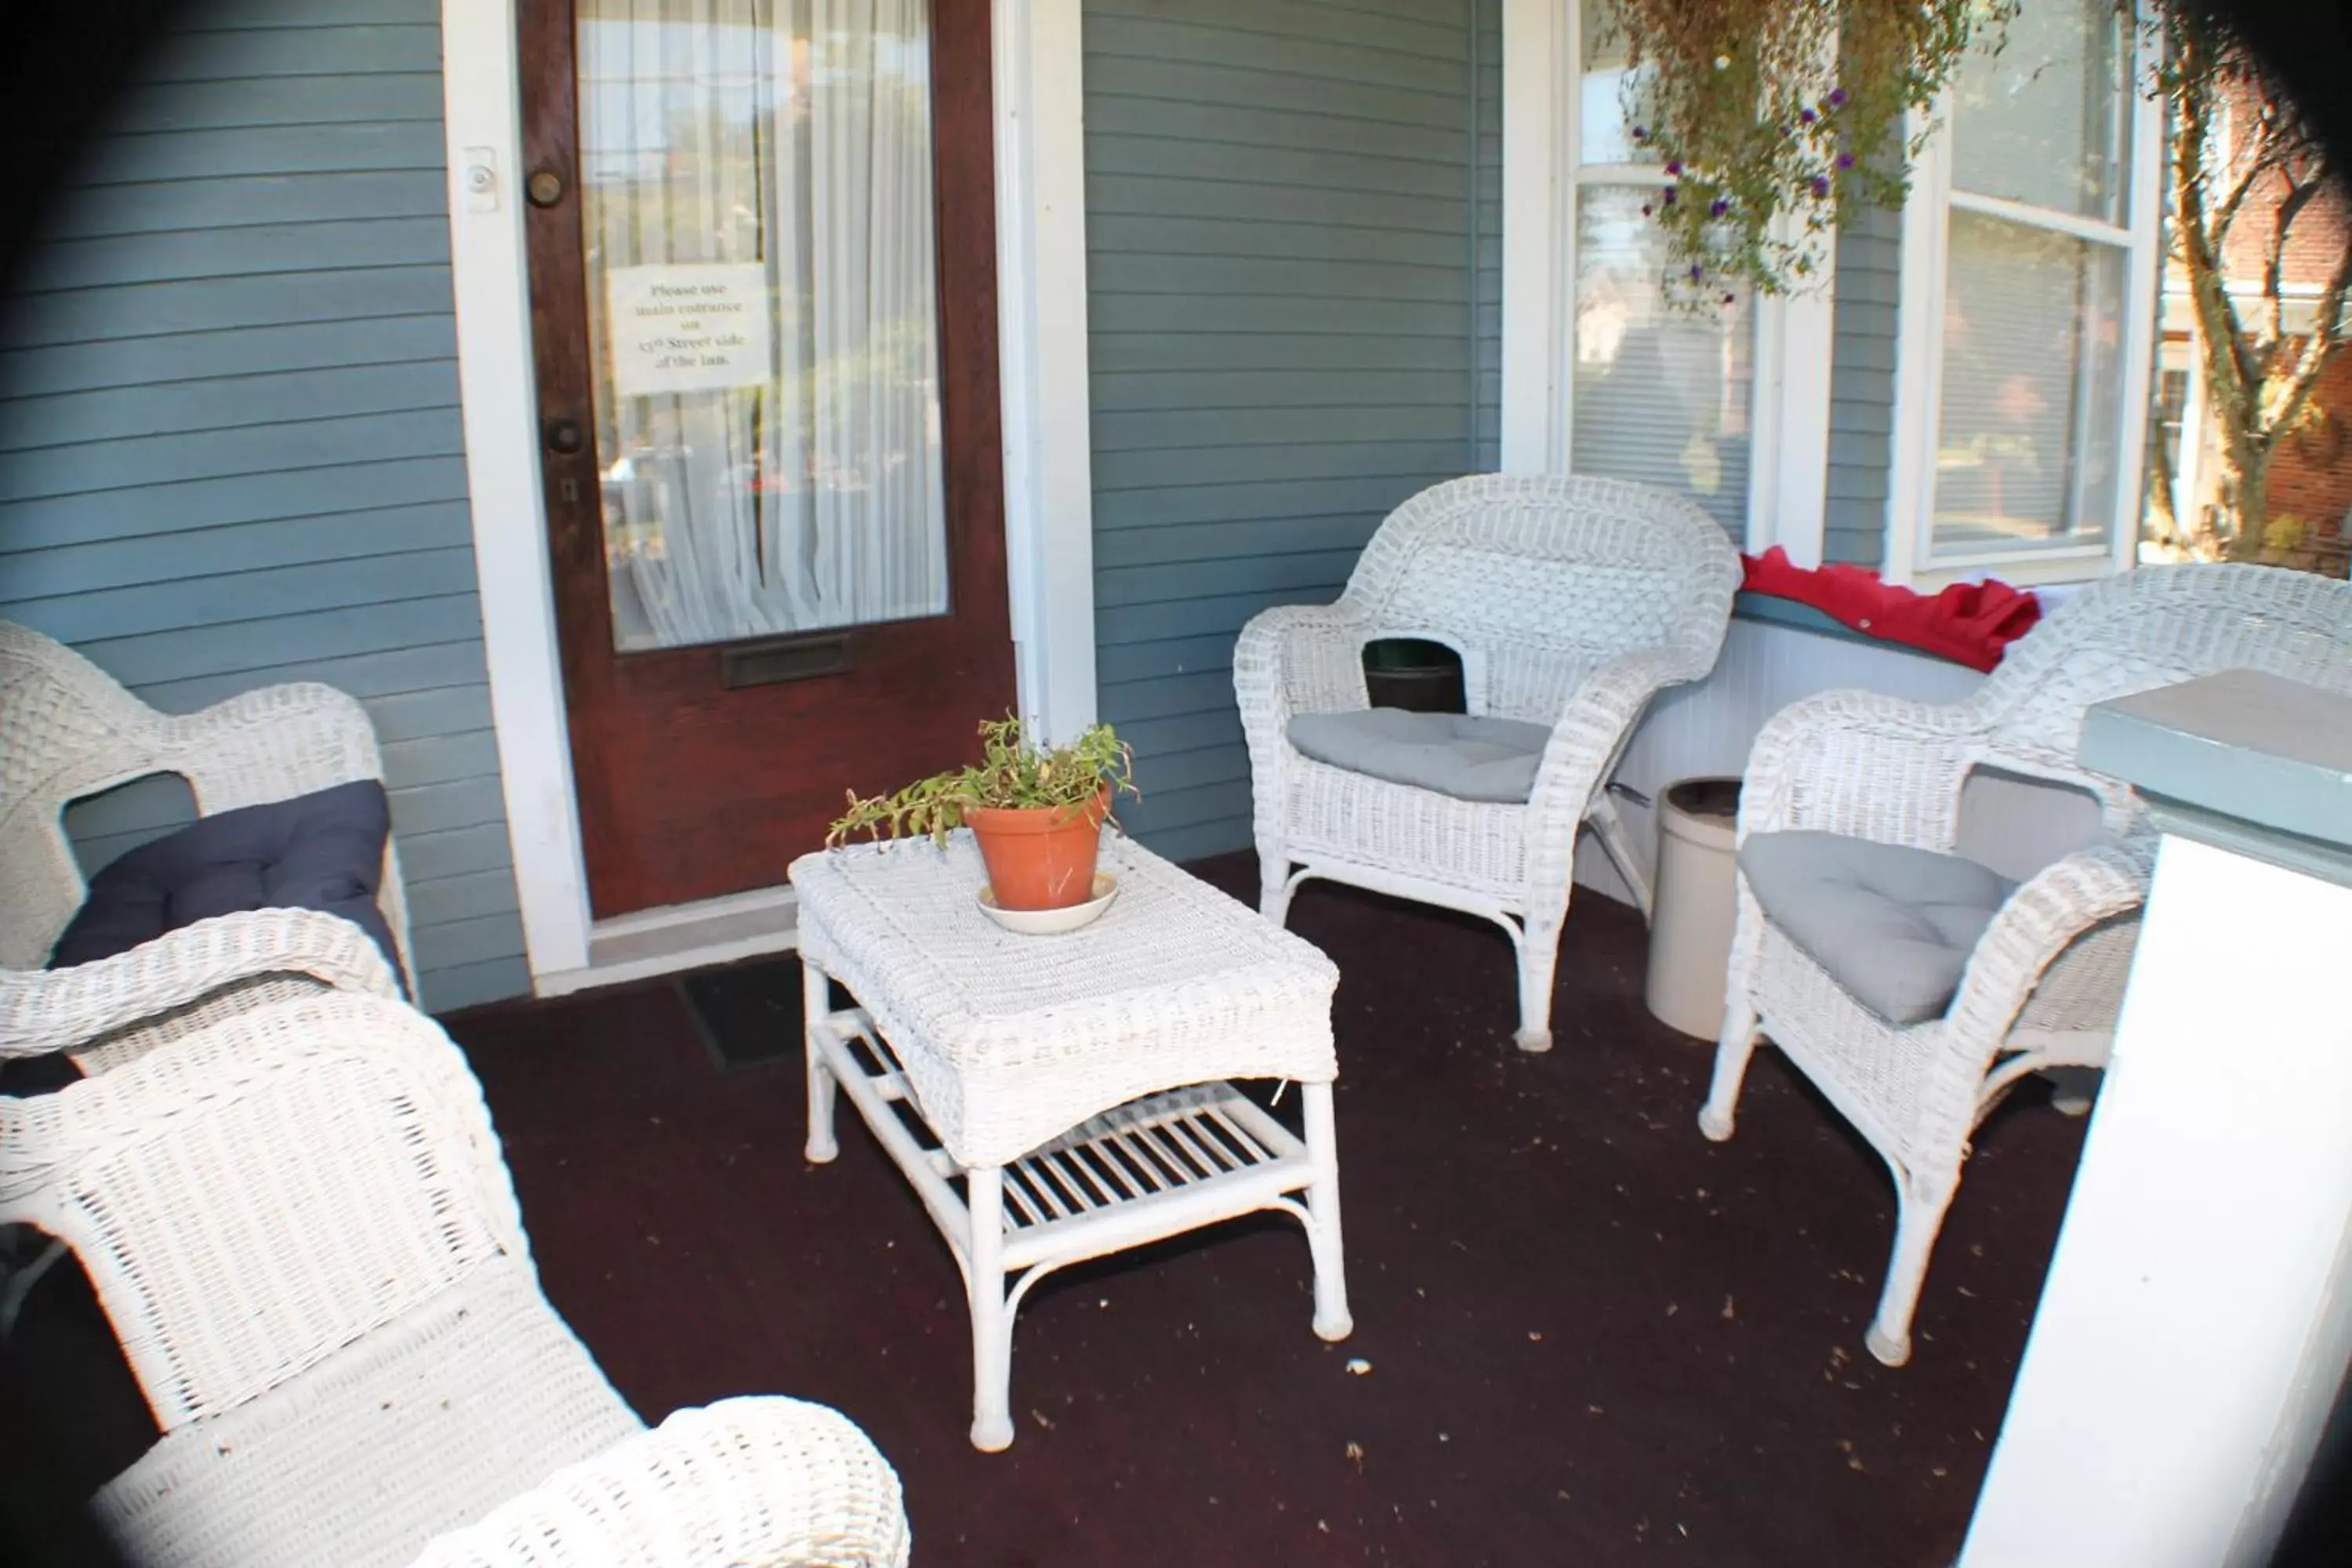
1043	856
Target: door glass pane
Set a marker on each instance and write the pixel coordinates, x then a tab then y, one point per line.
756	202
2045	121
1662	395
2033	369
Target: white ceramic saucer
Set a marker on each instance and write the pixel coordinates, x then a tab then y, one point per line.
1053	922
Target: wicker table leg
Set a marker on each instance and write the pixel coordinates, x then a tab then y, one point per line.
1332	1319
992	1316
816	1011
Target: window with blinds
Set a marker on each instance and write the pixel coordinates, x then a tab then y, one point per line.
2038	242
1658	392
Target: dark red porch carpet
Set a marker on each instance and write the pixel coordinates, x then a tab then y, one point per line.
1593	1337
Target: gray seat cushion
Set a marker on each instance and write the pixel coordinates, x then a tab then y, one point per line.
1468	757
1892	925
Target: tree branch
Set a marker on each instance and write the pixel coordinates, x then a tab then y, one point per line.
2326	336
2231	374
2258	163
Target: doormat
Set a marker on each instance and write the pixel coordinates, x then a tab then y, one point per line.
748	1015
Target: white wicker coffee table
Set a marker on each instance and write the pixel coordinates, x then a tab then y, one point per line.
1073	1085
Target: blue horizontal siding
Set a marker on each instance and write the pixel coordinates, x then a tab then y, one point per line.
224	351
230	452
1292	269
1861	387
212	403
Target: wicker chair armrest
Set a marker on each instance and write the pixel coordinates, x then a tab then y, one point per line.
270	744
2049	911
1585	743
1299	658
266	1191
1865	764
61	1010
1593	728
768	1481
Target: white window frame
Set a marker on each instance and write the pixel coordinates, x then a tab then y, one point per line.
1919	353
1542	173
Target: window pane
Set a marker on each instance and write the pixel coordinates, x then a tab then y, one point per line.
2045	120
1662	395
1602	135
2032	374
756	207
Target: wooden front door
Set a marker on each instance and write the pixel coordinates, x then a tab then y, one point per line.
763	296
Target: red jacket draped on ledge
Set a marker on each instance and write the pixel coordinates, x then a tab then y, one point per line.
1968	623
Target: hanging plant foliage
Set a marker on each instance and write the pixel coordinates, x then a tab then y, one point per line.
1760	111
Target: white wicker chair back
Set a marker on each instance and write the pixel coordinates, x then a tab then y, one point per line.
1538	581
299	1224
267	1193
68	729
2151	627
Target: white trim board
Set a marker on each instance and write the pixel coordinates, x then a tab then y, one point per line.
683	936
1536	103
1049	516
481	100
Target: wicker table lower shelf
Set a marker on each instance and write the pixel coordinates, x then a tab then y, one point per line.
1153	1168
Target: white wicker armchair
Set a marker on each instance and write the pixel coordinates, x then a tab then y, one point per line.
1572	602
2044	983
298	1222
72	731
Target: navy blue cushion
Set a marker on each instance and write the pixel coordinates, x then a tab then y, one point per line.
318	851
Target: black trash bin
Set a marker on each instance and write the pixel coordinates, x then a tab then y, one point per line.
1414	674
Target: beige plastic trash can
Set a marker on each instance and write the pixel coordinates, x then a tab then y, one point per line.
1690	923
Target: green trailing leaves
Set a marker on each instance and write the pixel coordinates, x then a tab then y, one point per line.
1013	773
1768	116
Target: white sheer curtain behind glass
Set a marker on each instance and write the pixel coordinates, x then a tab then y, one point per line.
1660	393
2029	430
757	201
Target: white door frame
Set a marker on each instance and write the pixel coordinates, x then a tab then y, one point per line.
1042	350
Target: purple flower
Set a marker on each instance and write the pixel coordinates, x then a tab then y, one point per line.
1697	272
1640	133
1645	209
1675	169
1846	160
1731	298
1821	185
1808	116
1669	197
1837	98
1718	208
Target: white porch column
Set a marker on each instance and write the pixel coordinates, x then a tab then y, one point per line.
2195	1323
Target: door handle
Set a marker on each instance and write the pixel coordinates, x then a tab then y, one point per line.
563	437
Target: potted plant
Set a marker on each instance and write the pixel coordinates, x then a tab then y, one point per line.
1036	812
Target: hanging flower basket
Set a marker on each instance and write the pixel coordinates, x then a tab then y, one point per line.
1769	116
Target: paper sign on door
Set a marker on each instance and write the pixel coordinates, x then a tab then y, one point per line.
689	327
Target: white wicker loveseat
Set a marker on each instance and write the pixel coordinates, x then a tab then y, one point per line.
2041	986
71	731
1572	603
299	1224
